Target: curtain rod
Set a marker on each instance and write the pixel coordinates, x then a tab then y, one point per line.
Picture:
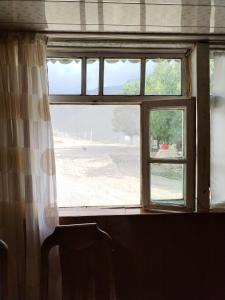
132	36
136	35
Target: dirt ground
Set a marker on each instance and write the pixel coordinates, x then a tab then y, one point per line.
94	174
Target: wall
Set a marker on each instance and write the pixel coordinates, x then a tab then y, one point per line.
160	257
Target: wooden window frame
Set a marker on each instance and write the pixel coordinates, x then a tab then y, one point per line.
144	101
189	159
83	98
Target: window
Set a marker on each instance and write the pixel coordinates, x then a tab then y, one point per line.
168	154
64	76
163	77
122	131
92	81
217	123
97	152
122	76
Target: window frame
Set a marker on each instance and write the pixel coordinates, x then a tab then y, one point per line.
142	100
189	160
83	98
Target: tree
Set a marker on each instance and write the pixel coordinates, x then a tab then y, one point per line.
165	79
166	125
126	120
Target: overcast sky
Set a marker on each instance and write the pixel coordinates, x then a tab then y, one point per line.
66	78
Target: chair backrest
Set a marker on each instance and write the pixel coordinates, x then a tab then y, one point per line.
3	271
85	257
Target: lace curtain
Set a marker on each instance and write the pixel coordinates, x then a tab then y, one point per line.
28	209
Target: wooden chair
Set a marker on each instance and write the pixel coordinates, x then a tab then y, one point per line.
3	271
85	257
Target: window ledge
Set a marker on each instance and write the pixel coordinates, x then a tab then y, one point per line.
106	211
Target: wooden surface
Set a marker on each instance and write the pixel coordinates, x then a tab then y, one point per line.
3	271
166	257
85	256
203	126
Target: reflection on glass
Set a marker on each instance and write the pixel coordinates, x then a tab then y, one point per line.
92	85
122	76
166	133
167	183
97	151
64	76
163	77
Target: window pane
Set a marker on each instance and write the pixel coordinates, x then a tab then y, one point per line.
122	76
211	74
64	76
167	133
167	183
217	125
97	154
163	77
92	76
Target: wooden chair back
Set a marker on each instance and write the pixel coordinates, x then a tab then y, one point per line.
85	257
3	271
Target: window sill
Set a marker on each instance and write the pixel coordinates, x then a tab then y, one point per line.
107	211
98	211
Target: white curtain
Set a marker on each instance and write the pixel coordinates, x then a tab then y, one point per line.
217	120
28	209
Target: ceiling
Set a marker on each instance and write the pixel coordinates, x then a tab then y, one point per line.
139	16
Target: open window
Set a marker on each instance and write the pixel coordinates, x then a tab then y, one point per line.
168	154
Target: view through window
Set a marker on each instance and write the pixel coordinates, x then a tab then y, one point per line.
167	143
97	152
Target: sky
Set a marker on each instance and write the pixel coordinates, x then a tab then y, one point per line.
66	78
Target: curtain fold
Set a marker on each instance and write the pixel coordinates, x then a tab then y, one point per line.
28	208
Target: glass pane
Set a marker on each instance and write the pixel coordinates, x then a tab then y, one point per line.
97	154
167	133
92	85
122	76
167	183
64	76
163	77
217	125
